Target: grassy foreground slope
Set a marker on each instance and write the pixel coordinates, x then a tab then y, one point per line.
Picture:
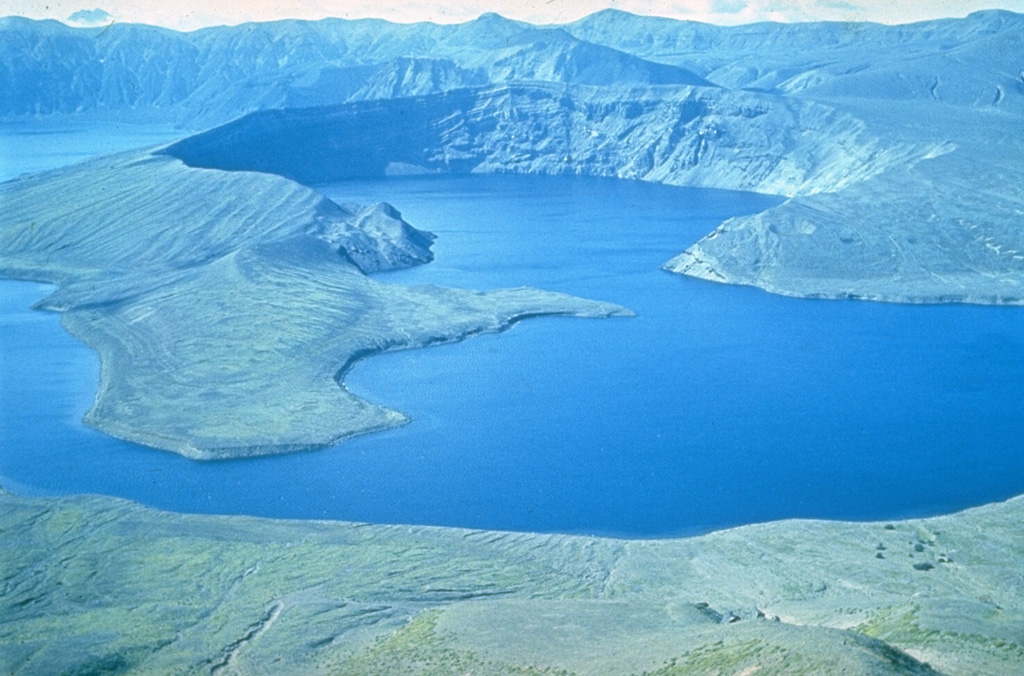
100	585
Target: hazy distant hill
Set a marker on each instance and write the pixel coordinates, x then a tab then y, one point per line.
974	61
215	74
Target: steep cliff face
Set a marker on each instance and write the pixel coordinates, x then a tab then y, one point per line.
694	136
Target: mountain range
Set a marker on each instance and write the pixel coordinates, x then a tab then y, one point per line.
212	75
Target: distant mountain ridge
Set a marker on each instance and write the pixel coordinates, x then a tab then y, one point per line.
973	59
215	74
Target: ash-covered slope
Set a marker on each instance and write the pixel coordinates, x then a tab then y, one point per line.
226	307
947	229
63	224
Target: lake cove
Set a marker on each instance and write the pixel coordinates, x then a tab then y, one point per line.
715	406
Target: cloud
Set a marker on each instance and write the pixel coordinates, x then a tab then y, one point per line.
728	6
850	11
840	5
91	17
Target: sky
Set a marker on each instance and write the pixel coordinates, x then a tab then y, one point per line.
192	14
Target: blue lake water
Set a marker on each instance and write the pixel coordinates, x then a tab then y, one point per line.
37	146
715	406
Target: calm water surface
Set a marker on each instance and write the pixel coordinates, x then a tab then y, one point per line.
716	406
37	146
